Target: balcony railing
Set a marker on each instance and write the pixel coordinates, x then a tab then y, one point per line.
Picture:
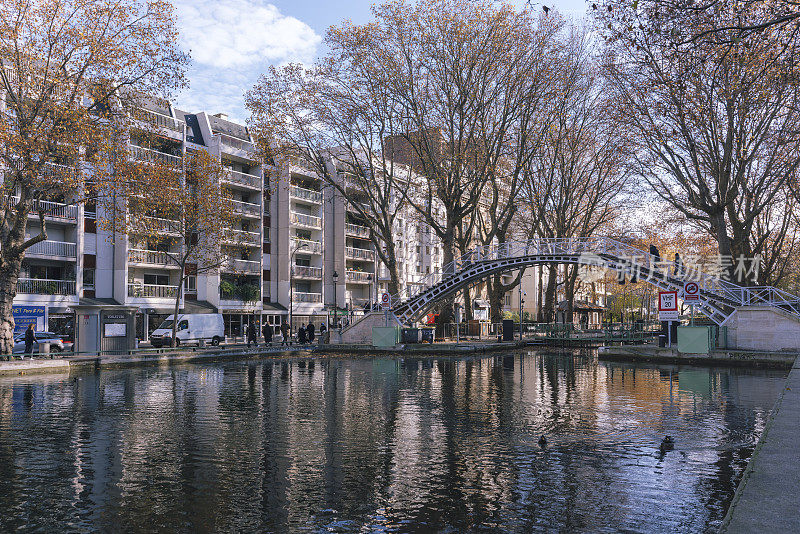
358	277
301	219
246	208
306	246
152	257
55	210
242	236
154	156
60	249
303	271
242	266
241	178
152	290
356	230
43	286
166	226
305	194
158	119
359	253
306	297
234	142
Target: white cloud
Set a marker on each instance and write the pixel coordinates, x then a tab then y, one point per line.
238	33
231	43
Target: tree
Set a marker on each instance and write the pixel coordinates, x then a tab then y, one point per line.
190	196
332	117
69	73
577	183
713	127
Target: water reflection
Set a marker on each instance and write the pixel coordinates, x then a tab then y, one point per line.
380	445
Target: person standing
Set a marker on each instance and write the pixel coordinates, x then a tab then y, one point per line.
267	331
30	337
310	332
252	334
301	334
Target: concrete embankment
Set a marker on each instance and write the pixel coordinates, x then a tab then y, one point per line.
767	499
199	355
651	354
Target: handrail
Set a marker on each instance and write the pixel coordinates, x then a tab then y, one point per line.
305	194
303	219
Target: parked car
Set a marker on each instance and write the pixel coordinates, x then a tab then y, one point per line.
192	328
55	341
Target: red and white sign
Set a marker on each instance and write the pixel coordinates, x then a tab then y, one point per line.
691	292
386	301
667	305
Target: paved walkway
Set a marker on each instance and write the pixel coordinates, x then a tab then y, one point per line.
768	498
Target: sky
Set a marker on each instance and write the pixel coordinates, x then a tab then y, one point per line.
232	42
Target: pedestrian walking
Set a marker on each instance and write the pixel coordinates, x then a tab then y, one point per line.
30	337
267	331
322	329
301	334
285	333
252	334
310	332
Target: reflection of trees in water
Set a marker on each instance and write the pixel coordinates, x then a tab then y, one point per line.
426	444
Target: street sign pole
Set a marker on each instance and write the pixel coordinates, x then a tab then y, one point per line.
669	333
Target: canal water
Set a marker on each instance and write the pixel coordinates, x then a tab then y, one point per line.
380	445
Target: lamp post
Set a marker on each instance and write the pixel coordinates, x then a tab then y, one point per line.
335	277
371	304
291	283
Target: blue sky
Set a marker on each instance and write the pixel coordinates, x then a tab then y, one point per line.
234	41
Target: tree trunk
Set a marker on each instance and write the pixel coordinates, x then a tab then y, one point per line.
550	294
569	291
9	274
539	310
720	228
495	292
177	307
448	242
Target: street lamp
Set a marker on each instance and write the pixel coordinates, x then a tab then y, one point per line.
521	301
371	305
291	282
335	277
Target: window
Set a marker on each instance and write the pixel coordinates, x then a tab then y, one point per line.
190	284
156	279
183	325
428	269
427	250
88	278
508	300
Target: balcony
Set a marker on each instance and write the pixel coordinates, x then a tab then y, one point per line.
234	143
246	209
307	195
358	277
52	210
313	298
153	291
150	257
242	266
242	237
356	230
43	286
304	246
366	208
307	221
242	179
54	249
159	120
305	272
164	226
359	254
154	156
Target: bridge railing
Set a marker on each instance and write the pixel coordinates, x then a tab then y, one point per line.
623	257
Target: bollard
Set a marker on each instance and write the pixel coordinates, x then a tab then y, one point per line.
44	349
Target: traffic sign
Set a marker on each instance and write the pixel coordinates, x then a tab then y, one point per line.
667	301
386	301
668	305
691	292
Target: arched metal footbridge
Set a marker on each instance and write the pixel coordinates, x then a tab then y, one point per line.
719	298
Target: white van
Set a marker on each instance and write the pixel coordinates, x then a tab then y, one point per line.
192	327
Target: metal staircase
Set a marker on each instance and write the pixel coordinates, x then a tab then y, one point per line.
719	298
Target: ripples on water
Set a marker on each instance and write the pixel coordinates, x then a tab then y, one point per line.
379	445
